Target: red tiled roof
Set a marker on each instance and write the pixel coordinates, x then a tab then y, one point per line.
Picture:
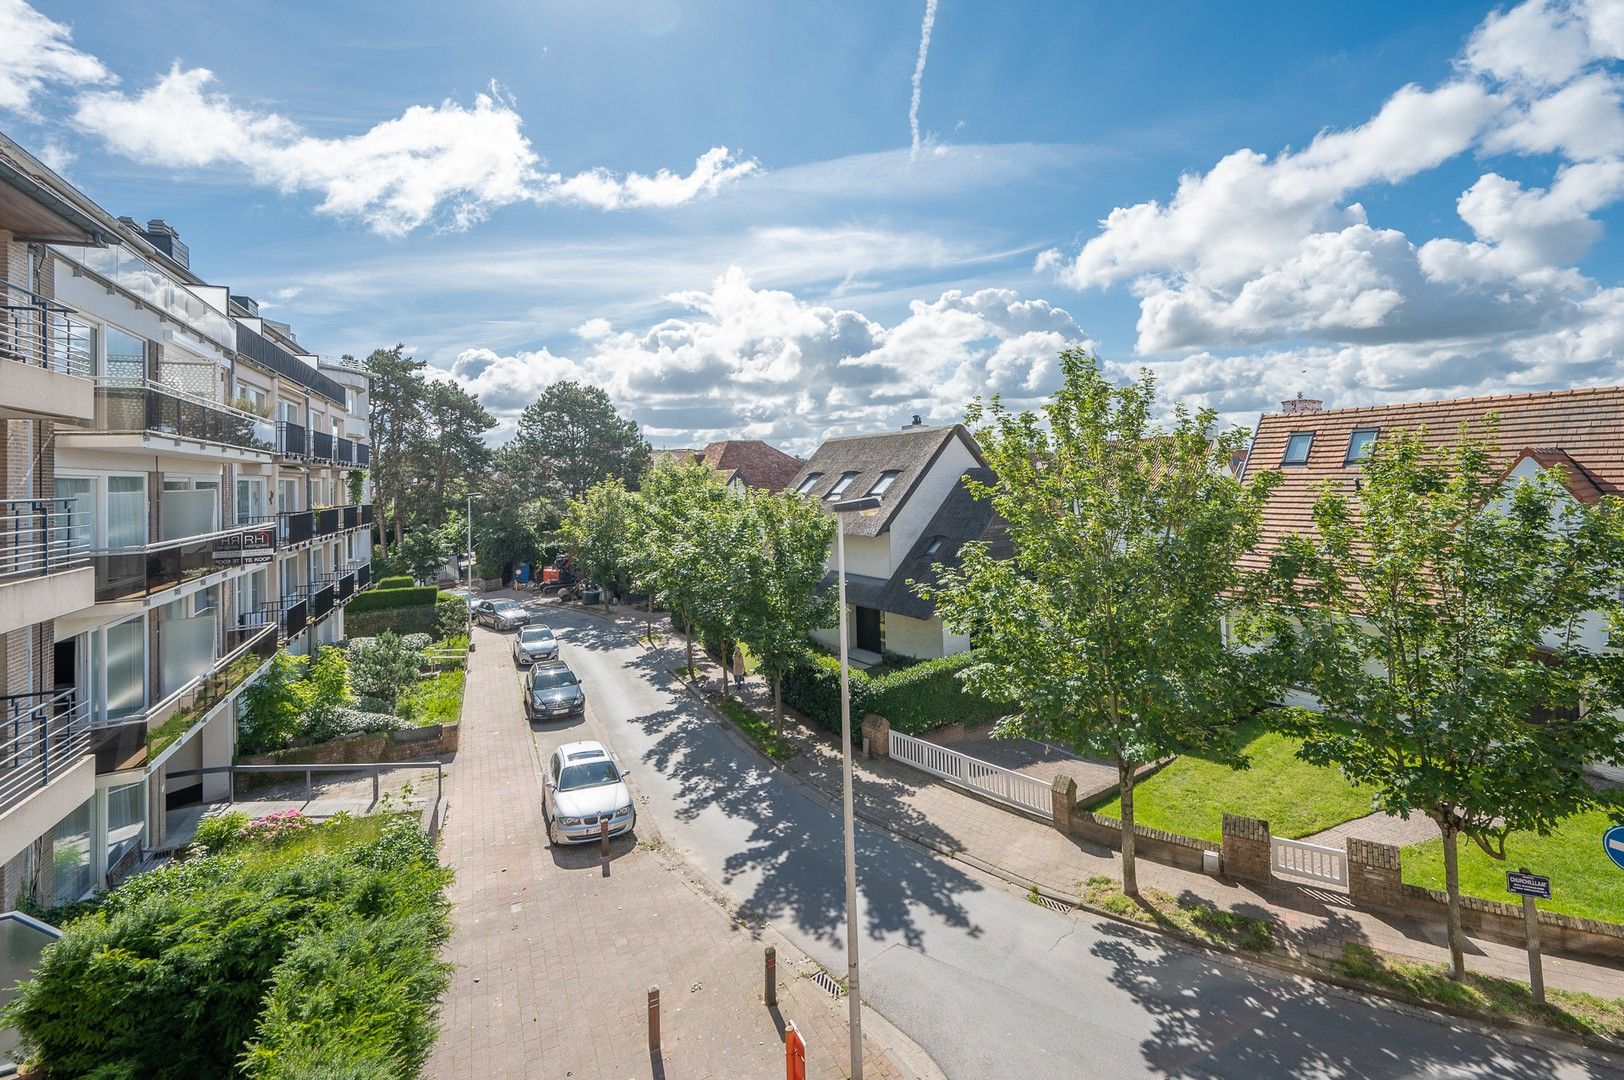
1580	430
752	462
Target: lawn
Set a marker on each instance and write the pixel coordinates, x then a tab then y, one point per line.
759	728
1584	882
1191	795
435	700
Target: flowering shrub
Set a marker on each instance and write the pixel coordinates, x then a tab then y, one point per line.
275	827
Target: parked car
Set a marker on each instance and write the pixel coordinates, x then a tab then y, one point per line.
503	614
535	645
553	690
582	788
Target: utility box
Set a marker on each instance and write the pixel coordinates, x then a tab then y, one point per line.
1211	863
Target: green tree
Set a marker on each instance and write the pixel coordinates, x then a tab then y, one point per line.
425	550
670	517
596	529
451	454
571	438
1105	629
322	692
1453	625
383	668
272	706
394	425
783	564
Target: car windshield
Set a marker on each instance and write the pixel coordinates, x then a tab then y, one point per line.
509	605
589	774
547	680
535	633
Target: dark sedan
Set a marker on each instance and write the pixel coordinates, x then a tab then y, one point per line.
552	691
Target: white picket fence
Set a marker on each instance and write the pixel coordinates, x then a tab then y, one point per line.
1314	862
1017	789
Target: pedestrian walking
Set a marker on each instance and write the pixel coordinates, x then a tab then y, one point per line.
738	666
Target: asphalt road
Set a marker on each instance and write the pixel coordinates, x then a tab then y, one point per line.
988	983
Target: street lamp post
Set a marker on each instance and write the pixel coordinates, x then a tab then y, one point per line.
854	1000
471	498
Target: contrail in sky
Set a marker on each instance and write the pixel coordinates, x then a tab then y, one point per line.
919	72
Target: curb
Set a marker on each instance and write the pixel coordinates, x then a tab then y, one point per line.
1270	962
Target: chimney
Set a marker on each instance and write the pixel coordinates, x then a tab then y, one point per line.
247	303
1300	404
918	421
162	235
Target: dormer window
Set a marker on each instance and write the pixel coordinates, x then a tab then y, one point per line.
887	478
1360	444
1297	448
809	483
841	485
935	545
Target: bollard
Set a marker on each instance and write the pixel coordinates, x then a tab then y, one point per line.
771	993
603	837
654	1019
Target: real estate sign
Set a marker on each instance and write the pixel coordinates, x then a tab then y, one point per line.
250	546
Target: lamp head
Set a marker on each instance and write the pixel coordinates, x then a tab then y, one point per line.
867	506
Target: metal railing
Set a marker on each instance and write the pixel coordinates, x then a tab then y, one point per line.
44	735
291	439
295	527
363	574
140	406
352	517
363	455
133	572
346	585
295	617
366	513
43	333
41	536
1004	785
319	597
321	445
345	451
329	519
309	771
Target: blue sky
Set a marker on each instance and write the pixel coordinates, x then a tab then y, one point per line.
1377	202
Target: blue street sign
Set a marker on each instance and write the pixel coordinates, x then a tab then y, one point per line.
1528	885
1612	841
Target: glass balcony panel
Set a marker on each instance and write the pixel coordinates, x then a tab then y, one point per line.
135	406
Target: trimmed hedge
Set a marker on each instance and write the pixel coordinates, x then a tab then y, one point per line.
396	581
448	616
916	699
382	599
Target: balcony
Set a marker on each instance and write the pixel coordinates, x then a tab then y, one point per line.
268	354
366	513
295	617
291	440
144	408
45	735
295	527
352	517
134	573
321	445
345	584
51	347
44	570
249	649
319	598
363	574
363	455
346	452
328	520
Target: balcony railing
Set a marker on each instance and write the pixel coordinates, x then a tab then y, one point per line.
345	451
295	527
295	617
363	455
319	596
247	650
352	517
321	445
345	584
363	574
291	439
135	406
44	735
43	333
328	521
366	513
41	536
131	573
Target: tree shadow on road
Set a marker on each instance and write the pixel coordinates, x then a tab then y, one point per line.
1220	1018
793	854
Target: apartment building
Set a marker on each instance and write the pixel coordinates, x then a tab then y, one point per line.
184	492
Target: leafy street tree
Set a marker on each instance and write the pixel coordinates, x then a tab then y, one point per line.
788	545
669	518
396	418
423	551
571	438
1454	626
1105	629
596	527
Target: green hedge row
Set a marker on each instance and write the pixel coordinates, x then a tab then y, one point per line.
396	581
916	699
379	599
446	616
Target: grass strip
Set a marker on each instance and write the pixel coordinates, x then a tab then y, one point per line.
1187	914
757	727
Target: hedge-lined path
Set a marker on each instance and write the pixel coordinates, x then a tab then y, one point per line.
990	983
554	959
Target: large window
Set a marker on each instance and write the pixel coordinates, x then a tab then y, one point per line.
81	493
126	669
808	483
126	356
126	817
250	498
72	872
126	511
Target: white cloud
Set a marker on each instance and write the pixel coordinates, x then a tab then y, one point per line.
450	163
926	25
1535	42
746	359
35	52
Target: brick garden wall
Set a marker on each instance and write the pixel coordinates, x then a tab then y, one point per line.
413	744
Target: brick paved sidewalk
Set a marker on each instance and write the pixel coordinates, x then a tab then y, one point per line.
554	959
1312	922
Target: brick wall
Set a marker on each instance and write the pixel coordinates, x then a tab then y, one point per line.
1154	844
1246	849
418	744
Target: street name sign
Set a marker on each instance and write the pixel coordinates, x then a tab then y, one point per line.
1528	885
